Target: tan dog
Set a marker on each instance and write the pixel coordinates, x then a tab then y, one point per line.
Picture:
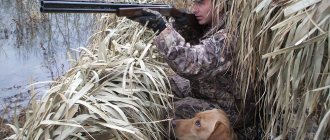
207	125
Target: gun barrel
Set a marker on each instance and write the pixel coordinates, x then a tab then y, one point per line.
61	6
76	10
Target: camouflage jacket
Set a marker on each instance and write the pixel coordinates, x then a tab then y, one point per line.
205	65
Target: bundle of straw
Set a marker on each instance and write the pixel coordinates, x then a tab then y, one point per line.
115	90
283	51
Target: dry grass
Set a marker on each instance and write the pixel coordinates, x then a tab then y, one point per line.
283	50
114	90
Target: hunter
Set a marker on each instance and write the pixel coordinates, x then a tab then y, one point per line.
205	63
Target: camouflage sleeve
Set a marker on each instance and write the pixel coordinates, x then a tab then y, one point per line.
206	59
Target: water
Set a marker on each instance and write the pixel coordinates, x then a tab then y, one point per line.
34	47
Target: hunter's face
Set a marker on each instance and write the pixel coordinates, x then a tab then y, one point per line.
203	11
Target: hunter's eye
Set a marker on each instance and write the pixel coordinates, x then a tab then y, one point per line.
198	123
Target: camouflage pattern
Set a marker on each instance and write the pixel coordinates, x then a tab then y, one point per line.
205	65
207	82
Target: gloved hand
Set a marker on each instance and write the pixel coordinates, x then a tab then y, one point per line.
156	22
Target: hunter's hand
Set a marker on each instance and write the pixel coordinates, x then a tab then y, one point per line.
156	22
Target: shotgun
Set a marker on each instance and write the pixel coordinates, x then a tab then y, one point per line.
121	9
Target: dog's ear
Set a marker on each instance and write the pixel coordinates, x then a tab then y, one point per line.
220	132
